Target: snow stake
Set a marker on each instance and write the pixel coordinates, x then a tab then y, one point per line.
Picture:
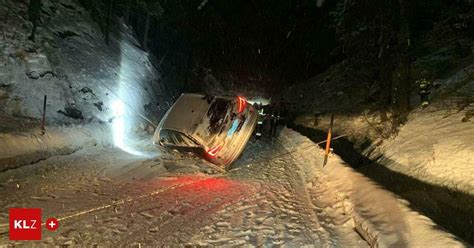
328	142
43	130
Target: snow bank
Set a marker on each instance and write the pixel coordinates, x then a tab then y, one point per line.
378	215
435	146
27	148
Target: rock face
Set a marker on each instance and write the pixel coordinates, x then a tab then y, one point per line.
72	65
72	112
5	77
37	65
3	94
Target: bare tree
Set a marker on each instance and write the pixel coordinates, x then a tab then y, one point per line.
109	6
34	14
405	65
147	30
153	11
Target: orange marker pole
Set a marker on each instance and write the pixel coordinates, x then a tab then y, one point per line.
328	141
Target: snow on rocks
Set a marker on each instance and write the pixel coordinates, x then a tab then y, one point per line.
68	55
3	94
37	65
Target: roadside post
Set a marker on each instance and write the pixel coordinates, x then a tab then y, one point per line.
328	141
43	130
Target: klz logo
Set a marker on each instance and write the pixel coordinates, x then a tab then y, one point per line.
25	224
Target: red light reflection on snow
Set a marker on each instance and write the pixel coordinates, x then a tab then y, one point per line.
193	195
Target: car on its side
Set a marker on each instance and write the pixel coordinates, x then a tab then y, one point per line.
217	127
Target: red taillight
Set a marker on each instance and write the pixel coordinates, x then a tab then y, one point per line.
242	104
213	151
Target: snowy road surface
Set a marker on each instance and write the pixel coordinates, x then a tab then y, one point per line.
277	195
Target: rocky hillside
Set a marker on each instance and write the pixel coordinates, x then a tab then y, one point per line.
85	80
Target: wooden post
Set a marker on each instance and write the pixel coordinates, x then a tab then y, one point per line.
43	130
328	141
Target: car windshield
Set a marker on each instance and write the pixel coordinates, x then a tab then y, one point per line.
174	138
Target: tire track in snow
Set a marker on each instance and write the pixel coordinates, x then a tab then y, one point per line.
287	196
326	204
192	206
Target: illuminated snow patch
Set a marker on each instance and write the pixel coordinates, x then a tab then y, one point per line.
129	95
119	130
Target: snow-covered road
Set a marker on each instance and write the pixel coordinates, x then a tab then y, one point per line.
278	194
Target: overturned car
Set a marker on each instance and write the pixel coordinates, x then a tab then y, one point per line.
216	127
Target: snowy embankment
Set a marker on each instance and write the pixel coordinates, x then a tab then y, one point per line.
87	82
436	144
378	215
436	147
27	148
